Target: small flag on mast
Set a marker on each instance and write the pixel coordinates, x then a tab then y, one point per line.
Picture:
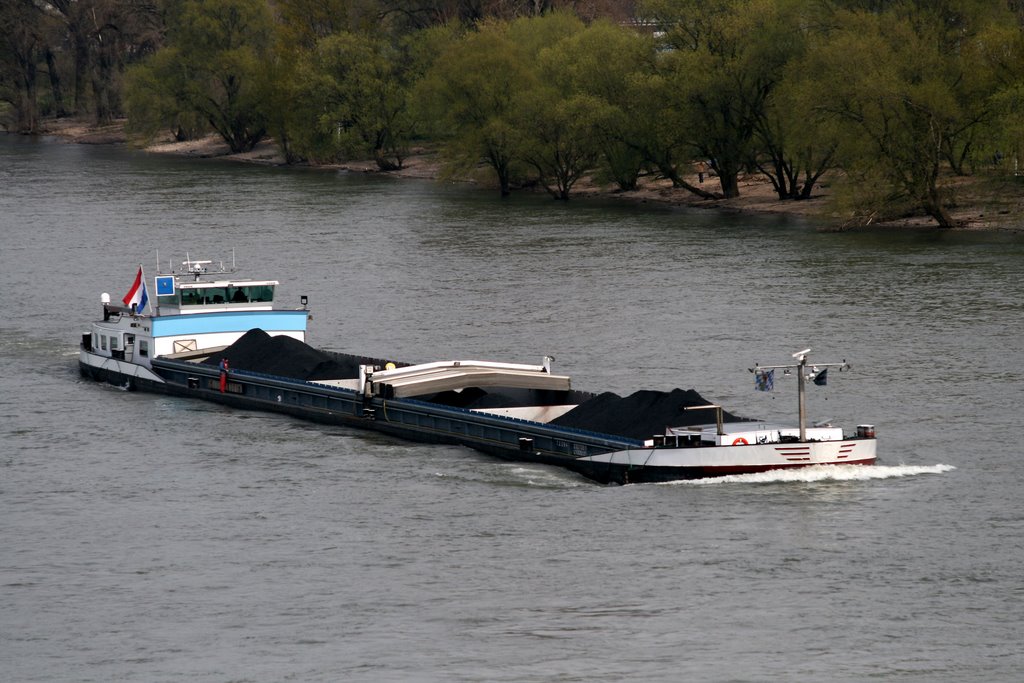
764	380
821	379
137	298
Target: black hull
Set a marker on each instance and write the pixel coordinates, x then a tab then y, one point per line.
359	414
504	437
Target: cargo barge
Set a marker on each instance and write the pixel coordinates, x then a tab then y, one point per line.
213	336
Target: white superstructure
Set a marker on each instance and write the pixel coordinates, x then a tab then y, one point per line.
195	308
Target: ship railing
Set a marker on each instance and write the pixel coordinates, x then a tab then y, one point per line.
623	440
293	381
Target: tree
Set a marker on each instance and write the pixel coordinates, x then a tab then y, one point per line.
21	49
790	146
636	118
558	123
472	91
419	14
657	127
102	37
795	148
303	22
885	80
969	36
724	60
215	66
1003	54
156	99
598	65
558	140
355	100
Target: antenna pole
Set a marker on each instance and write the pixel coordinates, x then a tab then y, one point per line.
142	272
801	389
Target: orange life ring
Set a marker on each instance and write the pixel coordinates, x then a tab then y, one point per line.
740	442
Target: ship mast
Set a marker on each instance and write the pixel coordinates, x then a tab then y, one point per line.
802	376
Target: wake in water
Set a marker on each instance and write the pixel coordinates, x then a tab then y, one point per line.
517	475
543	478
821	473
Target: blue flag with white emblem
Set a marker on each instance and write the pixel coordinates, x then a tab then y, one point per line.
165	285
764	380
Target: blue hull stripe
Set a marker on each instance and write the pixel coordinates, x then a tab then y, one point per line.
235	321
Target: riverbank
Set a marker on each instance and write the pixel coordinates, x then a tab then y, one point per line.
982	203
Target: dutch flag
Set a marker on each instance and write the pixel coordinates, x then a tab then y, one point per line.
137	294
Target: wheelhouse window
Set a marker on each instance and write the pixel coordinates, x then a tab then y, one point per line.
113	343
103	342
143	347
201	296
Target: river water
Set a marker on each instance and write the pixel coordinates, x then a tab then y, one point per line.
147	538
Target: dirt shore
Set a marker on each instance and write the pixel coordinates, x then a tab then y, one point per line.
983	203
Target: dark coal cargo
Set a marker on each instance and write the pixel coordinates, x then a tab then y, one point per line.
283	356
641	414
637	416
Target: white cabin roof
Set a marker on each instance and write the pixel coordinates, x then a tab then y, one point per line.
204	284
